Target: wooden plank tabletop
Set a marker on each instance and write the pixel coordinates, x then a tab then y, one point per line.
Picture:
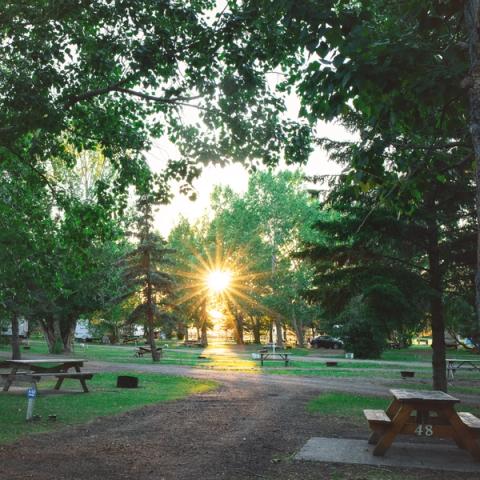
403	395
36	361
463	360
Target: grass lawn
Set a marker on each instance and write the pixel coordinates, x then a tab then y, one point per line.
104	399
421	353
351	406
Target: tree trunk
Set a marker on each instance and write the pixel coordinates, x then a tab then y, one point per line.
16	354
298	327
270	332
151	336
204	338
238	319
436	309
256	330
68	336
57	341
279	339
472	24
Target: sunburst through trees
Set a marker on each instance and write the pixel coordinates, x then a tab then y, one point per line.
217	287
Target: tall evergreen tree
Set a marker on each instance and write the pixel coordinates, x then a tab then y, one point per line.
143	274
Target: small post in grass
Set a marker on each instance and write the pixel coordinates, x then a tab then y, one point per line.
31	395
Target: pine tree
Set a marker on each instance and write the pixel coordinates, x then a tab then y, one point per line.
143	275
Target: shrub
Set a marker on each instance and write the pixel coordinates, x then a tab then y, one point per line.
361	333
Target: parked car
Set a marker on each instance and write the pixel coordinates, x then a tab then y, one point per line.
326	341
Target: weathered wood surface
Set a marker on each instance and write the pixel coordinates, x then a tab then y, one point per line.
470	420
377	416
404	395
426	414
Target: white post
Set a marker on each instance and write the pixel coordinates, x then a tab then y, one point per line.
31	394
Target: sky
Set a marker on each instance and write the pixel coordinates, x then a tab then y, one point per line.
235	175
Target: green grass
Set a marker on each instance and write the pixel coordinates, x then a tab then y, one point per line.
104	399
351	406
345	404
421	353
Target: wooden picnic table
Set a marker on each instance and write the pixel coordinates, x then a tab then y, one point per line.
274	356
424	414
34	369
141	351
454	364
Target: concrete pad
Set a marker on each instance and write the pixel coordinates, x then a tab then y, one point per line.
407	455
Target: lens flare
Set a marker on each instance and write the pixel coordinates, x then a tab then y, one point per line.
219	280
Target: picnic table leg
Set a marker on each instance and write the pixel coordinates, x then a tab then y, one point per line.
463	433
377	433
450	374
59	382
391	432
393	408
82	380
9	379
374	437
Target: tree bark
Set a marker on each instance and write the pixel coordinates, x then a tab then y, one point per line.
55	338
256	330
204	338
238	319
298	327
472	24
151	336
436	308
68	336
16	353
279	339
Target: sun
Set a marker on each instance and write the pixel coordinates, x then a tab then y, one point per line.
219	280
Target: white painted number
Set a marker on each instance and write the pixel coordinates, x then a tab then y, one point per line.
426	430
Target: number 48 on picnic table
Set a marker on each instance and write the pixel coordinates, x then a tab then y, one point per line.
426	430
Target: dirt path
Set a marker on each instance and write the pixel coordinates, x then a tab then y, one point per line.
360	385
247	429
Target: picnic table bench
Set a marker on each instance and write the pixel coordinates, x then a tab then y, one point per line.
454	364
33	370
423	413
141	351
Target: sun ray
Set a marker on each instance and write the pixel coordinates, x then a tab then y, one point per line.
221	280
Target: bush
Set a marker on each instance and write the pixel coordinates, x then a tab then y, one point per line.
361	333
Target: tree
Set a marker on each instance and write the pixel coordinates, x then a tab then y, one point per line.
81	276
388	261
117	74
472	27
25	235
142	275
266	226
392	72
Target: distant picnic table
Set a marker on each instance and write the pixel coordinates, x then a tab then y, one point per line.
192	343
141	351
454	364
34	369
426	414
266	355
